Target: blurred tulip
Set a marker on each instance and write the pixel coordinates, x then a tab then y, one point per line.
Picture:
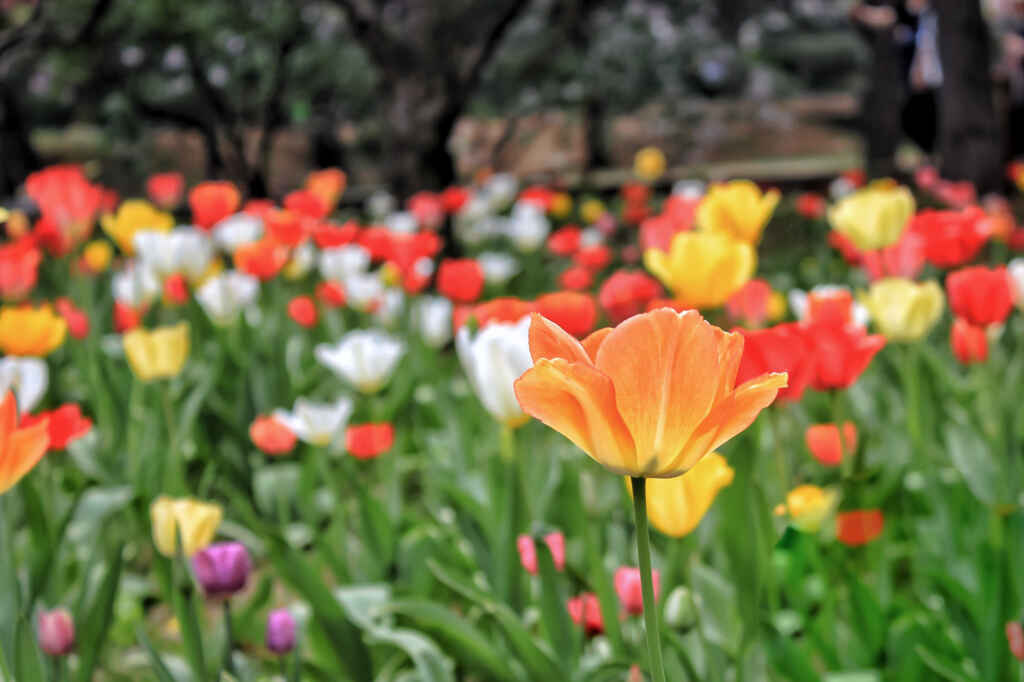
951	238
905	258
280	631
753	304
676	505
175	290
136	286
528	551
782	348
21	447
222	569
498	267
737	209
237	230
262	259
68	204
824	443
306	204
271	435
841	353
980	295
133	216
302	309
224	295
26	330
213	201
166	190
903	310
873	217
505	309
627	586
703	269
97	255
1015	273
585	610
808	506
64	425
859	527
367	441
320	424
811	205
649	398
574	312
159	353
56	632
461	280
968	342
28	377
576	278
126	317
649	164
184	250
594	257
365	358
19	269
432	318
627	293
196	521
331	294
1015	639
591	210
75	317
328	235
328	185
565	241
493	359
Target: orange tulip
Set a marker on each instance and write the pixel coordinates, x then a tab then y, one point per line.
650	397
20	448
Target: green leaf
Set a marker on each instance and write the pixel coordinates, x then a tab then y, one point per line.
95	622
975	462
942	666
719	616
553	610
868	620
158	667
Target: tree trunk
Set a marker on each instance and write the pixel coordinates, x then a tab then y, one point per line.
883	100
17	158
968	139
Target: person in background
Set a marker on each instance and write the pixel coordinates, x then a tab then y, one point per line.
920	115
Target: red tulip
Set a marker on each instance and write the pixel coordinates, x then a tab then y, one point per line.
628	587
454	198
77	320
302	310
262	259
19	268
126	318
166	189
626	293
585	610
845	246
366	441
528	551
905	258
213	201
66	425
750	305
576	278
782	348
1015	639
271	436
68	205
810	205
574	312
841	353
307	204
968	342
595	257
565	241
427	208
331	294
285	227
176	289
980	295
951	238
823	442
461	280
859	527
327	235
504	309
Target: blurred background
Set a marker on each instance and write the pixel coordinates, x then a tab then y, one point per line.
414	94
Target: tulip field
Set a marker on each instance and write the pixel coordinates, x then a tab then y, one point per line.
511	432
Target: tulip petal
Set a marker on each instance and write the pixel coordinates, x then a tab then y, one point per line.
548	340
665	369
593	342
579	402
676	505
22	450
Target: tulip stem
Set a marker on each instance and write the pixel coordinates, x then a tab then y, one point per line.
229	664
643	550
846	457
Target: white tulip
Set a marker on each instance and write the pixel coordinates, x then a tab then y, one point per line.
237	229
392	302
135	286
224	295
500	190
493	360
498	267
339	262
27	377
1015	270
363	290
380	204
402	221
301	262
184	250
315	423
432	316
366	358
527	227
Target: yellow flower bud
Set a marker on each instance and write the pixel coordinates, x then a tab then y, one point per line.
157	354
196	521
738	209
703	269
649	164
875	216
903	310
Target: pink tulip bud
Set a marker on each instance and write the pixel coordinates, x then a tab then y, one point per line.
629	589
56	631
280	631
528	552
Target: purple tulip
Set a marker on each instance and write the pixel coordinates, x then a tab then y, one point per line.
56	631
222	568
280	631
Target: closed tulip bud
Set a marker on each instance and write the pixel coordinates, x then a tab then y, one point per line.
873	217
271	435
461	280
159	353
367	441
280	631
320	424
676	505
824	443
365	358
629	589
1015	639
302	309
493	359
859	527
585	610
680	609
56	632
737	209
903	310
809	506
980	295
196	522
703	269
222	568
498	267
968	342
223	296
213	201
528	551
649	164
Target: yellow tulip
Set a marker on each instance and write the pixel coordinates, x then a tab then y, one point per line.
649	164
676	505
738	209
591	209
561	205
196	521
703	269
135	215
809	506
875	216
903	310
157	354
97	255
25	330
